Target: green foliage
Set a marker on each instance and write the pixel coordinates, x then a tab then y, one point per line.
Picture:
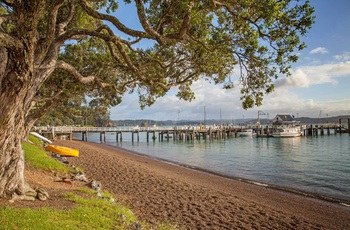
72	115
179	42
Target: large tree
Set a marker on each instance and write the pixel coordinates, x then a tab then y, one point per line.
85	44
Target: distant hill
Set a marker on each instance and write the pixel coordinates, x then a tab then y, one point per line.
302	120
307	120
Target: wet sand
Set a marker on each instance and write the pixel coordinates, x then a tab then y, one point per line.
162	192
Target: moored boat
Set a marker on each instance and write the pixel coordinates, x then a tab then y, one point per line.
287	131
285	126
246	133
64	151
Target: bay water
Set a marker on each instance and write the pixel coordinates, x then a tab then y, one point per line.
317	166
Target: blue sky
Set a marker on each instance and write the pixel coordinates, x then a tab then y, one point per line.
319	85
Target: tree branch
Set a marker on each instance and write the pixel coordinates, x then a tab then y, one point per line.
84	80
64	24
186	22
52	19
113	20
50	32
145	24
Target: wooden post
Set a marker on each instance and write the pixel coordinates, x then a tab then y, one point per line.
267	131
312	131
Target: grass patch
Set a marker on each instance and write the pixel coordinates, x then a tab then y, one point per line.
37	158
92	213
35	140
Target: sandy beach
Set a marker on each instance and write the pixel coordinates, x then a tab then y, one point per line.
157	192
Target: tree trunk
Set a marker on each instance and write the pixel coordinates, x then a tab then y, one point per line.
11	135
19	83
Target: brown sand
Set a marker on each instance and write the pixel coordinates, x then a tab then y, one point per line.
158	192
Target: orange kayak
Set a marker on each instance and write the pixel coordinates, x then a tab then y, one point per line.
64	151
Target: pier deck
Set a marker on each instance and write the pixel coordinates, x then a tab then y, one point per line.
182	133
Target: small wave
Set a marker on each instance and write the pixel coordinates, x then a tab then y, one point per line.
259	184
344	204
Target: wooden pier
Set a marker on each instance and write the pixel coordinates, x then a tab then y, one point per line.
151	133
184	133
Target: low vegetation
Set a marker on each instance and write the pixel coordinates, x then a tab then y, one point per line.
36	157
89	211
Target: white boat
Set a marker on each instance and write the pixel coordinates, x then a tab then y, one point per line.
286	131
41	137
246	133
285	126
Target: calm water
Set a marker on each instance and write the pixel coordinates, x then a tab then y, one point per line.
315	165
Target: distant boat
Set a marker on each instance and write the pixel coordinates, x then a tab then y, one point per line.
246	133
286	131
285	126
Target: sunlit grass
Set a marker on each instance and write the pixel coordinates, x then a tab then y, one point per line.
38	158
88	213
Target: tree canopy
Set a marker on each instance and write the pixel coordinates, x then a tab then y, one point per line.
189	40
56	52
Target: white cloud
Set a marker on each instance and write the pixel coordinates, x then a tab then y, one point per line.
343	57
307	76
214	98
319	50
284	101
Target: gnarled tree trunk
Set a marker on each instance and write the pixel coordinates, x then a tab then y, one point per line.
18	85
12	156
13	93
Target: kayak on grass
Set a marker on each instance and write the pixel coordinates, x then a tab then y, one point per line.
64	151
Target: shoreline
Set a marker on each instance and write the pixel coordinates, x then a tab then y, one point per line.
159	191
342	202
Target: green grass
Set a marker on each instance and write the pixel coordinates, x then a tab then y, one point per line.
93	213
88	213
38	158
35	140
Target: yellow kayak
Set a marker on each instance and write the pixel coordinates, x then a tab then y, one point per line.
64	151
